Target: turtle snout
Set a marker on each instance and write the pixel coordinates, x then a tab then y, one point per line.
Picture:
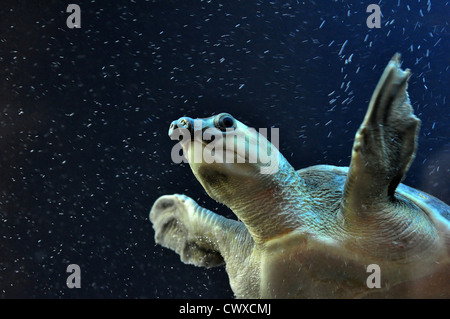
184	125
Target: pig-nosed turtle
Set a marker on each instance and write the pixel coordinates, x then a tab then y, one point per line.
313	233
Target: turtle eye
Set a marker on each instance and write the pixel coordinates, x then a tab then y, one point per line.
224	121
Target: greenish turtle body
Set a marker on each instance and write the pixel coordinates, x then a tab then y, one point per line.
322	231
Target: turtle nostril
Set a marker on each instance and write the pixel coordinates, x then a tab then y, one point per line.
181	126
184	123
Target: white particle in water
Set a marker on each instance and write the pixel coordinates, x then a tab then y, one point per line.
343	46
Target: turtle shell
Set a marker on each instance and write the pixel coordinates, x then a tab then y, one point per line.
428	203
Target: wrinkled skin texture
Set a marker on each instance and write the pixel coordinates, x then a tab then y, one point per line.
312	233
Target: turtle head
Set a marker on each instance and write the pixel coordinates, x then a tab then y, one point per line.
225	155
238	167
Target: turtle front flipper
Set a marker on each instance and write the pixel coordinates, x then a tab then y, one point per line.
199	236
384	145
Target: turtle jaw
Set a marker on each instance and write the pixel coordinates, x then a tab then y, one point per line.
213	171
220	172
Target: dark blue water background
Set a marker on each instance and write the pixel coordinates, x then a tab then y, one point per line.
84	115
